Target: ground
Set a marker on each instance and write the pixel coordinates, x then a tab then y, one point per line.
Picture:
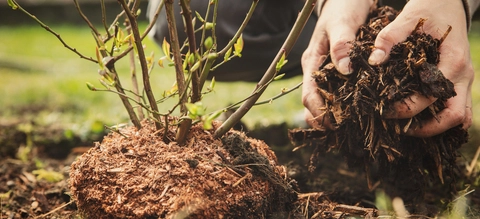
332	189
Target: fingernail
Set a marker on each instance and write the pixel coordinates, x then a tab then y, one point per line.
344	66
376	57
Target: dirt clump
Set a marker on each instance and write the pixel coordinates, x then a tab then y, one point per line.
141	176
355	105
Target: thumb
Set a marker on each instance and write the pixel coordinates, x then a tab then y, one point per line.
393	33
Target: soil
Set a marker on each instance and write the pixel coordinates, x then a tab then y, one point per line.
330	180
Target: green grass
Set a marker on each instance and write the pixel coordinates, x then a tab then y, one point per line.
38	71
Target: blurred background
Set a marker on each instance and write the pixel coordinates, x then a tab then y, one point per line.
44	83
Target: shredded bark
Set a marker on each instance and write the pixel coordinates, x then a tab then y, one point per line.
141	176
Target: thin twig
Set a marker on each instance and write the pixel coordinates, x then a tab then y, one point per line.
279	95
271	71
54	33
473	163
149	28
56	209
85	18
239	32
143	62
104	18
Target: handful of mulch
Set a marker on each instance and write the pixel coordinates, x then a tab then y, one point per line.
355	104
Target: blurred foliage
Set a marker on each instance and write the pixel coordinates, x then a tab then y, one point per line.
43	81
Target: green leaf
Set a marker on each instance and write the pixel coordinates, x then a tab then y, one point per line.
195	110
281	62
99	58
238	46
49	176
228	54
5	195
12	4
190	58
91	87
208	26
195	67
200	18
166	49
278	77
212	83
208	43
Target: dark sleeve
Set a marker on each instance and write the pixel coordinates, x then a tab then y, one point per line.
263	37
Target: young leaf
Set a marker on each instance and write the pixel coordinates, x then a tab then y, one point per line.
99	58
166	48
212	83
227	54
281	62
91	87
208	43
49	176
200	18
160	61
195	67
195	109
12	4
208	26
278	77
238	46
190	58
207	122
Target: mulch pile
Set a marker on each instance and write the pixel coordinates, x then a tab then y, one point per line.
140	176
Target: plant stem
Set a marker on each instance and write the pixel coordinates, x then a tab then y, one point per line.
271	71
133	72
126	103
187	14
85	18
150	26
183	129
143	62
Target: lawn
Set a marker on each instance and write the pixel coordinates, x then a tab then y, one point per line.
38	71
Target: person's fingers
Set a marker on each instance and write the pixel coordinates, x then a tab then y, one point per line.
332	32
312	100
455	114
408	107
342	31
397	31
456	65
340	39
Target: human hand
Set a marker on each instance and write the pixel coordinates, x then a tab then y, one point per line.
455	62
337	25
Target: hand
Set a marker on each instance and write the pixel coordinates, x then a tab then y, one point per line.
455	62
336	26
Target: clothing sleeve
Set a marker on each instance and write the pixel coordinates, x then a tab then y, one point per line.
319	6
470	7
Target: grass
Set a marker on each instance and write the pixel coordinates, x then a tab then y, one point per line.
38	71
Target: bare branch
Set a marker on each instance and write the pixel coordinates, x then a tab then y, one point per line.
143	62
271	71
